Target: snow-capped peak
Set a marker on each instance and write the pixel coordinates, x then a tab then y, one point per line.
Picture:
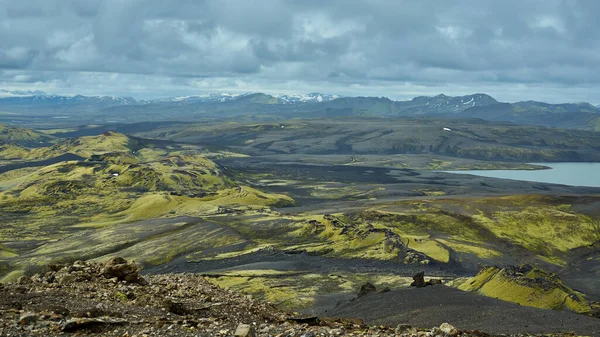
224	97
21	93
311	97
211	97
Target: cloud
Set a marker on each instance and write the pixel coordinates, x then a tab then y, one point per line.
386	48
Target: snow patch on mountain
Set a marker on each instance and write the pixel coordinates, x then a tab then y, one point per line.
8	97
313	97
20	93
224	97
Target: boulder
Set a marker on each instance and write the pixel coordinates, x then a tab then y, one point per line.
82	323
122	270
245	330
366	288
419	280
448	329
28	318
402	328
177	308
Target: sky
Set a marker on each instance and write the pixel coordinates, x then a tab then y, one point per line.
514	50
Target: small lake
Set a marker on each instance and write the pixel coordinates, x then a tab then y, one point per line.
574	174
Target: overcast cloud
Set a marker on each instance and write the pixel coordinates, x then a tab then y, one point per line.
514	50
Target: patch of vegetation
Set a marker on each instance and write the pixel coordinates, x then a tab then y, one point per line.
22	136
76	207
527	286
298	290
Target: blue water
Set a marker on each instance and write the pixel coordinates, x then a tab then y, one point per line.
575	174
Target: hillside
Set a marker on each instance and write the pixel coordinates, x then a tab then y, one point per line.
117	180
573	116
473	139
21	136
442	104
112	299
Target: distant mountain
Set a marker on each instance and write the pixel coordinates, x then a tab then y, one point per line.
258	98
225	97
352	106
313	97
84	109
13	93
206	98
61	100
382	106
576	116
313	105
442	104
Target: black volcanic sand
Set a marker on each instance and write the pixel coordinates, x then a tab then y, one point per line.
432	306
397	182
301	262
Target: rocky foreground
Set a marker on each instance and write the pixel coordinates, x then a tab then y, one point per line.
112	299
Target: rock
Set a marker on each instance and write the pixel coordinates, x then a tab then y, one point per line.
36	278
78	265
23	280
80	323
120	269
176	307
55	267
310	320
245	330
419	280
92	312
434	281
448	329
366	288
57	310
402	328
28	318
64	279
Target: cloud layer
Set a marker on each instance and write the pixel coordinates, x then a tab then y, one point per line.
546	49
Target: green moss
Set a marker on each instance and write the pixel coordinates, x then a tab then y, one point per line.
119	296
527	286
298	291
471	248
547	231
12	276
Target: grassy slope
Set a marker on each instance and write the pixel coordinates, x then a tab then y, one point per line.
527	286
22	136
487	230
470	232
115	185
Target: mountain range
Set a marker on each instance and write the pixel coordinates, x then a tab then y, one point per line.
313	105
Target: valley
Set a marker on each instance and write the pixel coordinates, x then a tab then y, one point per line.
301	213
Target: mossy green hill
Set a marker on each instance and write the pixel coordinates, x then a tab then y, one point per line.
21	136
136	197
528	286
122	180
